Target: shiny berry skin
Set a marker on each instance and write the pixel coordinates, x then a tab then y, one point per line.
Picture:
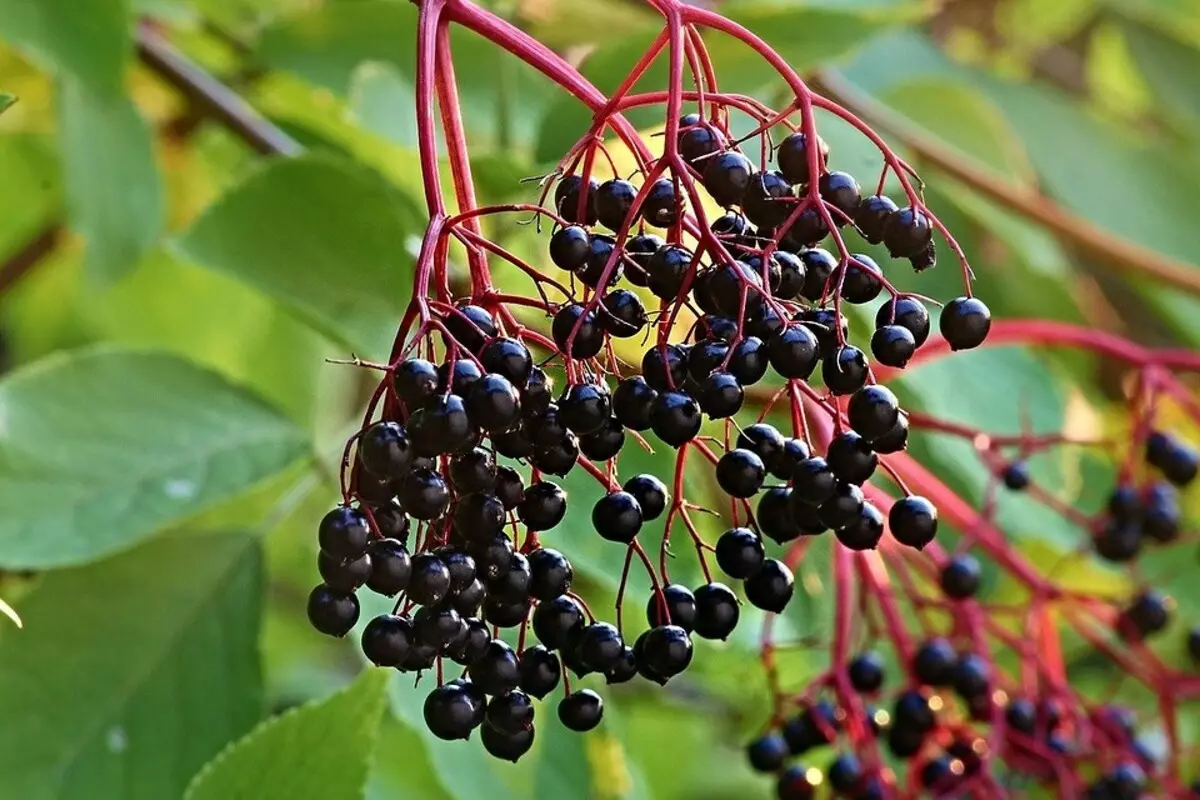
907	233
617	517
661	205
424	494
632	401
764	323
509	358
667	650
344	533
391	567
774	515
639	249
473	471
720	395
819	266
934	662
537	393
1177	462
727	176
864	531
792	157
971	676
385	450
621	313
797	783
841	190
706	356
614	202
740	473
680	607
451	712
588	339
763	440
415	380
470	645
581	710
650	493
813	481
544	506
460	565
843	508
504	747
599	646
965	322
550	573
851	458
771	588
861	283
845	773
570	247
845	372
873	411
625	670
430	580
345	576
767	753
698	141
739	553
1118	542
749	360
593	271
1161	518
665	367
866	672
331	612
872	216
716	611
1147	614
513	582
510	713
824	324
907	312
794	351
765	199
438	625
1016	476
471	325
893	346
792	275
456	377
912	710
675	418
666	270
816	726
496	671
585	407
492	555
479	515
556	621
913	521
391	521
559	458
540	671
509	487
960	577
441	427
566	200
938	775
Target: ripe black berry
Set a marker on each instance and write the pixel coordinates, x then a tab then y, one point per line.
385	450
497	670
794	351
415	380
478	515
727	176
567	197
614	201
661	205
438	625
430	580
864	531
960	577
866	672
771	587
894	440
816	726
332	612
792	157
632	401
509	487
1016	476
844	372
451	712
861	283
556	621
588	338
472	644
739	553
841	190
345	576
537	393
617	517
471	325
344	533
581	711
934	662
391	567
851	458
766	197
1177	462
716	611
740	473
599	646
455	377
873	411
513	582
550	573
907	233
505	747
698	141
971	676
819	266
1147	614
774	515
720	395
665	367
1193	643
424	494
813	481
907	312
965	322
650	494
544	506
510	713
749	361
913	521
509	358
844	507
872	216
680	607
893	346
473	471
667	650
666	270
767	753
570	247
625	670
585	407
797	783
764	441
460	565
675	418
540	671
604	442
492	555
845	774
1118	542
622	313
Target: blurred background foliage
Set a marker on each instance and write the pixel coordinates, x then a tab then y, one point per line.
169	428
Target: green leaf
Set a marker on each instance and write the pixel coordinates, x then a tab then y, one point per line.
6	100
562	763
327	238
400	768
86	39
114	195
1170	67
131	673
320	751
100	448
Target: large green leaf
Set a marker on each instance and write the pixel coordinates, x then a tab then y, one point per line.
131	673
329	239
100	448
114	195
1170	66
88	40
33	188
320	751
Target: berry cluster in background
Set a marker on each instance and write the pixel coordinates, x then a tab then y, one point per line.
750	370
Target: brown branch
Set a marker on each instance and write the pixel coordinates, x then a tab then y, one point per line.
28	256
1120	254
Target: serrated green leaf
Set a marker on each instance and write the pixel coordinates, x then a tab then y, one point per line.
114	194
320	751
88	40
327	238
100	448
131	673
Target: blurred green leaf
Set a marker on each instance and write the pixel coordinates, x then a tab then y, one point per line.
114	678
320	751
101	448
381	99
399	770
562	763
33	188
87	40
114	195
327	238
1171	67
6	100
